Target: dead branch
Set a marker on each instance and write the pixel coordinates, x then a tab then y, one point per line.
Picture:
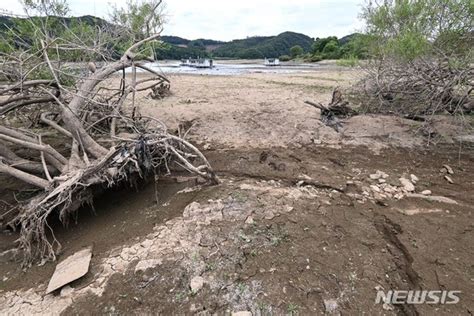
338	108
23	176
95	140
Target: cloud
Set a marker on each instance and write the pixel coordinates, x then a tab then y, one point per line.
226	20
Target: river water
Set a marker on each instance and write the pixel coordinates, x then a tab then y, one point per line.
226	68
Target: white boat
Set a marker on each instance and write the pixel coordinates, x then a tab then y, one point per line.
272	62
197	63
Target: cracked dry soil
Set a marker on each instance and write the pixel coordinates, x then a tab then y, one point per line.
290	230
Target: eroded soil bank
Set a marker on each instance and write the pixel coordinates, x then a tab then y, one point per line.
305	221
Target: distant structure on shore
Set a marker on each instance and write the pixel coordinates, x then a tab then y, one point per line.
197	63
272	62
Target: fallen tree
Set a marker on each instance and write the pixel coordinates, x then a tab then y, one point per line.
103	140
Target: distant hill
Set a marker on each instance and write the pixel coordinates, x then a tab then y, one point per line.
248	48
346	39
175	47
260	47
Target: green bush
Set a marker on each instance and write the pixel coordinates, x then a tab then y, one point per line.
313	58
285	58
350	61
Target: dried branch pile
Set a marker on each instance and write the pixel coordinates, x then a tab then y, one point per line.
102	142
421	87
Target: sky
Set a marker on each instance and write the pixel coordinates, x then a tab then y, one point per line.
227	20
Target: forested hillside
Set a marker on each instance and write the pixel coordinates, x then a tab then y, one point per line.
286	45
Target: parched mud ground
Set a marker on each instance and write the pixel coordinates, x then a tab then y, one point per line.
297	226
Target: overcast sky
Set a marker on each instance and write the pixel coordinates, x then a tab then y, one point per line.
226	20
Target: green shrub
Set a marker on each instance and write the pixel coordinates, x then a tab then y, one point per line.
350	61
314	58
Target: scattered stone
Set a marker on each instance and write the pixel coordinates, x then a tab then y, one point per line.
398	196
414	178
330	305
270	215
407	185
382	181
374	176
378	197
196	283
426	192
390	189
449	170
375	188
66	291
448	178
378	175
249	220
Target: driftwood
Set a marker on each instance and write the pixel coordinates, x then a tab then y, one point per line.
332	113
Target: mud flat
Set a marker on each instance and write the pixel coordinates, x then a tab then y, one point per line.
306	220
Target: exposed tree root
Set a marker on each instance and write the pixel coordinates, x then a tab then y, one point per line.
103	140
142	156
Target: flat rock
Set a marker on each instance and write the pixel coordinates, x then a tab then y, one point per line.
70	269
426	192
414	211
433	198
